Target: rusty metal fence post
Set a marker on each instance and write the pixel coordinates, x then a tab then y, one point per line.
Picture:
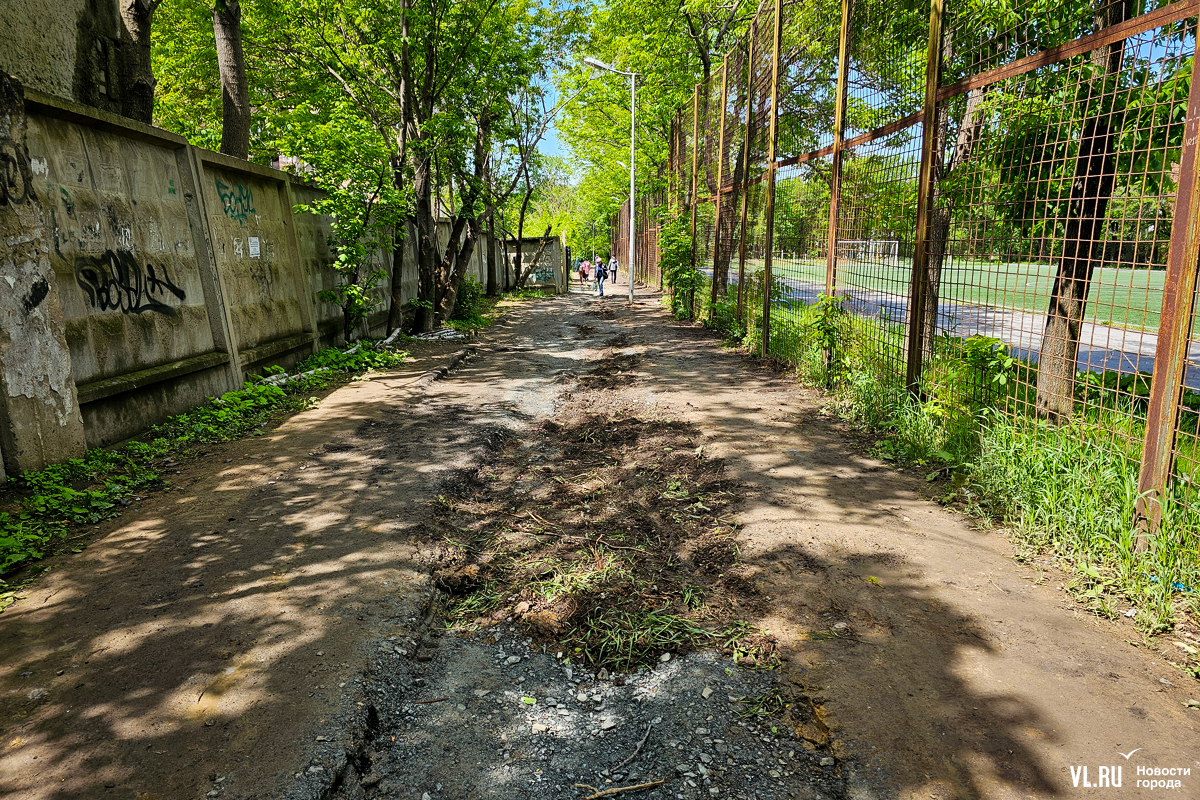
839	131
712	300
745	188
1171	351
772	141
920	267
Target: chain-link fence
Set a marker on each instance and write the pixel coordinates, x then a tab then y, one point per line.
1003	199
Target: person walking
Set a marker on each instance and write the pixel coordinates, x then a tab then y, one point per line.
612	268
583	273
601	275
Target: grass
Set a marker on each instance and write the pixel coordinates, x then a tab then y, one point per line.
46	506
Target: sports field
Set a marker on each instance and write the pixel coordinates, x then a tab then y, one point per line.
1124	298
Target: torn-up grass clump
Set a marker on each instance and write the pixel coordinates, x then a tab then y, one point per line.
607	535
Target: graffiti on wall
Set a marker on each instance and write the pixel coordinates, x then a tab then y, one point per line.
116	281
237	200
16	178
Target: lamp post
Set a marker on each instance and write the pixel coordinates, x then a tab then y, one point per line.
598	64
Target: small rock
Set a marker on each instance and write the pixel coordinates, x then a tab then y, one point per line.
707	693
427	796
314	769
512	660
607	724
598	698
581	697
602	675
320	652
1131	613
322	739
840	626
461	707
1165	682
827	761
701	731
540	728
482	692
665	657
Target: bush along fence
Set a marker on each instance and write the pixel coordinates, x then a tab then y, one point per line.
979	225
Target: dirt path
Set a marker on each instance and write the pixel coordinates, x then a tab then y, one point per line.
264	629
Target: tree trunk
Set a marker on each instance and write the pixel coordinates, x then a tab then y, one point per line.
504	260
518	277
400	234
396	308
426	244
451	266
235	88
1091	189
493	271
942	213
134	67
462	260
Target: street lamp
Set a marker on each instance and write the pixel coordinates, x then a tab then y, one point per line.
598	64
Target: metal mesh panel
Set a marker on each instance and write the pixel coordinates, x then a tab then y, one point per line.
875	245
1052	221
1050	169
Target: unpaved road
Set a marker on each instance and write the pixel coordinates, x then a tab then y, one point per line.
268	627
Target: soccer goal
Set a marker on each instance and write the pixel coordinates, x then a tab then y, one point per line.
871	251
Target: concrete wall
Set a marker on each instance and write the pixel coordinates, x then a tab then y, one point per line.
65	48
550	274
140	276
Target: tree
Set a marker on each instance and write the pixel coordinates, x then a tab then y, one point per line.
671	46
1091	190
134	63
235	87
427	76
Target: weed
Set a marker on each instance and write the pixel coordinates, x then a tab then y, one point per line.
763	705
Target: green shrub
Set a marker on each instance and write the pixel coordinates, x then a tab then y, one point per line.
472	305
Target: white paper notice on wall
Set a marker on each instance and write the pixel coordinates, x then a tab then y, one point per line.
255	249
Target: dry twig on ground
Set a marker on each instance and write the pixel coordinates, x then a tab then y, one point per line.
596	793
649	725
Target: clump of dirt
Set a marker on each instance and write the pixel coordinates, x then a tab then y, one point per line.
607	534
620	340
613	371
